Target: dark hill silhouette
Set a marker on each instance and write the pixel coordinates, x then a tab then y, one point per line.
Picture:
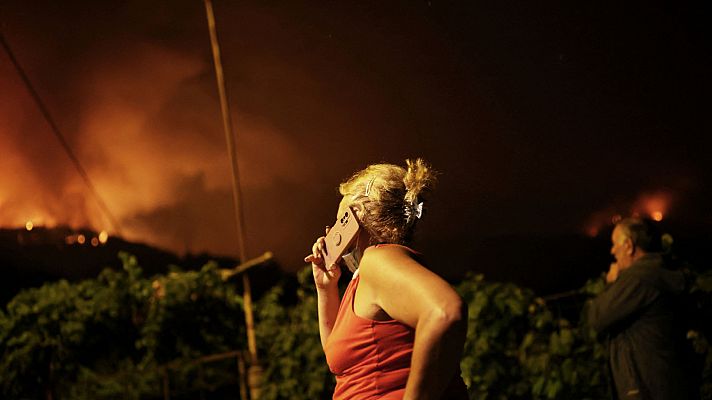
31	258
547	264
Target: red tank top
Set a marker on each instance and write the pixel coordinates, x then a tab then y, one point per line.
371	359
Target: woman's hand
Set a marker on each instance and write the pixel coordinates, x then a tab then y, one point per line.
327	289
324	276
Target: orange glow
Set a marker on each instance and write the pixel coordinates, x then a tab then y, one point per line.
654	204
81	239
94	241
29	225
103	237
140	180
599	220
70	239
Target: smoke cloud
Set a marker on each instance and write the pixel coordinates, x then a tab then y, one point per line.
539	127
149	134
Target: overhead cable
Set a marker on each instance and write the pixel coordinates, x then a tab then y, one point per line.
55	129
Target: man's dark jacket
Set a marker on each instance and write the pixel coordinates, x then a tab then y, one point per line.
639	313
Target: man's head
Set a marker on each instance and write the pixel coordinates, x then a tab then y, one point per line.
633	238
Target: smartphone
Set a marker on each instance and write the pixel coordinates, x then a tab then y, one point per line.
341	236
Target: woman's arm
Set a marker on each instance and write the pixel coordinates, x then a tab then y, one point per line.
327	289
328	306
412	294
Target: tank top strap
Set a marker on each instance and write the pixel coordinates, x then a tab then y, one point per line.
348	298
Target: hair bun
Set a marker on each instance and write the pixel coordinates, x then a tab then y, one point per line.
419	178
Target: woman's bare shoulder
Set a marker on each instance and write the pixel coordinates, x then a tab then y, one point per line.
387	259
386	253
390	249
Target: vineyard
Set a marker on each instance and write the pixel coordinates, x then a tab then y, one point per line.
181	335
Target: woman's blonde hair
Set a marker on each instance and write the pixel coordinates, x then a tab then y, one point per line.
388	198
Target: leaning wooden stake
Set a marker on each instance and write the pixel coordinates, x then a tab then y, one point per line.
254	370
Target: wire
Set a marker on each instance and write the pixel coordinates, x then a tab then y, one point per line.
55	129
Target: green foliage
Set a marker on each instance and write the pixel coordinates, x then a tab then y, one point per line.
107	337
511	354
701	333
517	349
48	331
189	314
112	336
289	340
496	318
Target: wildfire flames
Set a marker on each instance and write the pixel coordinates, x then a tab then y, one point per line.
654	205
147	130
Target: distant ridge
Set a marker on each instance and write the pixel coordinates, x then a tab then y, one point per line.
31	258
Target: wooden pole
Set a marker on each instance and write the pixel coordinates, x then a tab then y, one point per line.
255	371
241	376
227	274
166	385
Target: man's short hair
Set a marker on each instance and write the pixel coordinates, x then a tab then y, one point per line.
643	232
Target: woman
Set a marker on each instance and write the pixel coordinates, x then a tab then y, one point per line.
398	333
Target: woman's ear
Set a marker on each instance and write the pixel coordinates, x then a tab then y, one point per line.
359	210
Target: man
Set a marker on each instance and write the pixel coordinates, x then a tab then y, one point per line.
638	311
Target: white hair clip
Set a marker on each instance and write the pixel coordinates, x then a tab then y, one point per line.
413	210
368	187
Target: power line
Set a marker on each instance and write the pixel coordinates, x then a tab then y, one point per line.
55	129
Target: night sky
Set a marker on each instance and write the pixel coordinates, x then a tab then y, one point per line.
542	118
